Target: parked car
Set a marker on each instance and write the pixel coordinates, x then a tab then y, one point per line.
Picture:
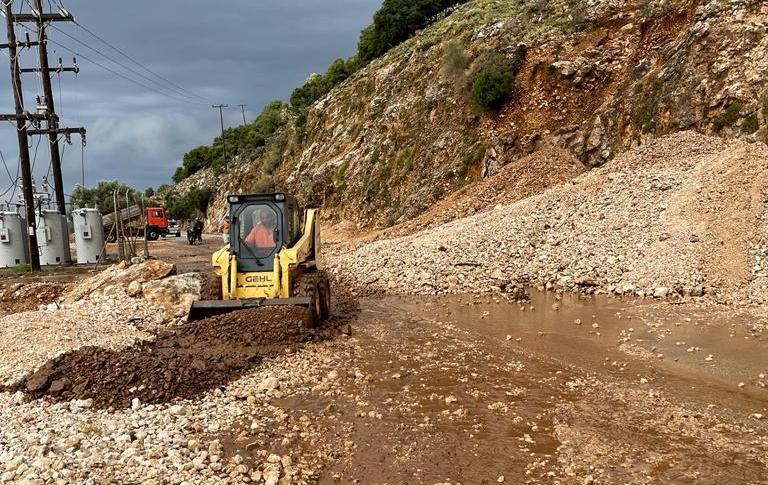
173	228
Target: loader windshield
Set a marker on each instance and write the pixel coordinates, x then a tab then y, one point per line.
257	235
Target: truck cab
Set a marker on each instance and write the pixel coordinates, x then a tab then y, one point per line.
157	223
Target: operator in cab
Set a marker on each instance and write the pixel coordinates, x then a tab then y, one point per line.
262	236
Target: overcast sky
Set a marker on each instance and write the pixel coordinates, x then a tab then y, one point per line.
226	51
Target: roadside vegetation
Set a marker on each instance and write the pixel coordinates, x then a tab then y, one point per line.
192	204
101	196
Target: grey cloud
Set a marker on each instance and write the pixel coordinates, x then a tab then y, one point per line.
231	51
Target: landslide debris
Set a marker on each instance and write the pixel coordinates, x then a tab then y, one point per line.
681	215
113	309
517	180
180	363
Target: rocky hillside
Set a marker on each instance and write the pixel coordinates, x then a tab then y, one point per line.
596	77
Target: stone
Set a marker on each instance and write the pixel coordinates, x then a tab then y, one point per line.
134	288
59	385
39	381
268	384
174	294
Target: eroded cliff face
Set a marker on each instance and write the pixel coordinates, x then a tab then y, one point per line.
598	77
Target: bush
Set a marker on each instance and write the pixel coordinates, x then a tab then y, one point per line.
455	59
730	116
395	22
101	196
193	203
318	85
493	84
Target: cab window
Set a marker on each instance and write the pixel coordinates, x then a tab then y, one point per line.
257	229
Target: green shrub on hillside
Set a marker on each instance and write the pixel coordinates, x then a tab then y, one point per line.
493	84
395	22
190	205
455	60
318	85
730	116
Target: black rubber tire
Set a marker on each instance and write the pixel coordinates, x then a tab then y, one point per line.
111	237
153	235
316	286
324	295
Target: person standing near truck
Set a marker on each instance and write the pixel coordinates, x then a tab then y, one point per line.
224	229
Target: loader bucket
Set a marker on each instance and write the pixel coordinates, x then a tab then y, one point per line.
211	308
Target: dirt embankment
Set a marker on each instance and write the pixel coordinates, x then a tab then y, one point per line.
16	298
683	215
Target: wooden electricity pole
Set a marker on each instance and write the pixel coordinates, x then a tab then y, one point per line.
53	130
21	131
221	107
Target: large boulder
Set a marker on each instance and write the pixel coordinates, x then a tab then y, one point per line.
174	294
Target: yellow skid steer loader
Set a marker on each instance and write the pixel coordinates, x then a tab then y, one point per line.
273	258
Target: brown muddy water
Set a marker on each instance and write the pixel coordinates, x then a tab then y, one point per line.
561	390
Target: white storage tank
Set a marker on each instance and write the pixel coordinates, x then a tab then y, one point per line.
53	238
13	240
89	235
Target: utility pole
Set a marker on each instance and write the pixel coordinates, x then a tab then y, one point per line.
242	107
21	130
221	107
53	124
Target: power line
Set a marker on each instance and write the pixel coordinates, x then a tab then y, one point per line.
127	68
116	73
162	78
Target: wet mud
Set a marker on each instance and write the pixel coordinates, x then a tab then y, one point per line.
563	389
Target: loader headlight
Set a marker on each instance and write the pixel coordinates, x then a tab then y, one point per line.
279	197
233	199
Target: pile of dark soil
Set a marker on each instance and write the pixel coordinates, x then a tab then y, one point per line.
23	298
179	364
211	286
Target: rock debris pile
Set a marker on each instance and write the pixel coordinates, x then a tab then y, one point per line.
180	363
683	215
112	310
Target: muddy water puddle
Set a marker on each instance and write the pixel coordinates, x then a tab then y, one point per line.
468	390
682	345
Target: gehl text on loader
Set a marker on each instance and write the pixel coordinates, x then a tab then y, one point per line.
272	259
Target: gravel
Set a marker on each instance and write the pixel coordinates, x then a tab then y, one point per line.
682	215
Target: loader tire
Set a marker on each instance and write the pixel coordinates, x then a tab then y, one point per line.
315	286
324	294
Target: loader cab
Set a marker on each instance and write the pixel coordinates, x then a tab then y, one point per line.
260	226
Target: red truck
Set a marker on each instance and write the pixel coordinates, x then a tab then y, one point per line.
129	222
